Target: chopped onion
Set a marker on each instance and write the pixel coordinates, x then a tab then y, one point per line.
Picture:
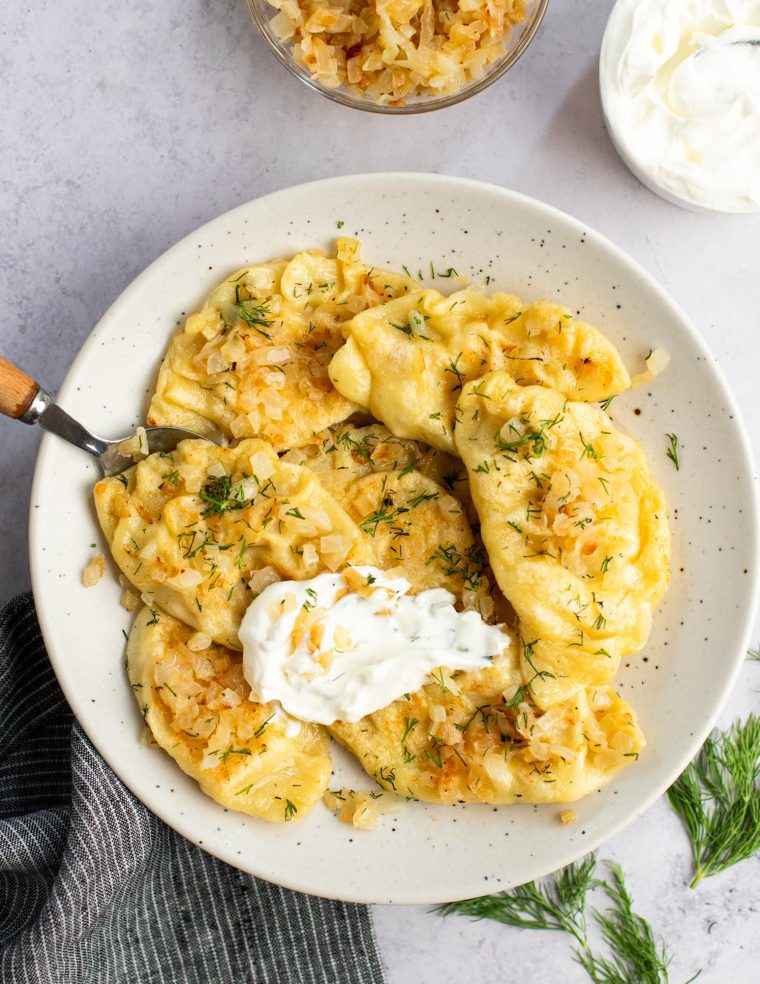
215	363
317	517
261	578
275	399
185	579
273	380
230	313
191	476
334	543
94	571
355	304
203	668
657	362
244	490
149	551
239	426
272	412
270	355
129	600
198	641
283	26
309	555
233	349
135	447
262	465
229	697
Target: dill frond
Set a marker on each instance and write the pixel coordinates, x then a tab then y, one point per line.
754	654
718	798
636	954
559	903
672	451
556	904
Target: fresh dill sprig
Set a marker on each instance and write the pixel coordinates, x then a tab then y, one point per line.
559	903
754	654
636	954
718	798
556	904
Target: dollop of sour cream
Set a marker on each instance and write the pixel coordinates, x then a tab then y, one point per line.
340	646
680	86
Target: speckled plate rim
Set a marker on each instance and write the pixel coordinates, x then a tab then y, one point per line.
549	857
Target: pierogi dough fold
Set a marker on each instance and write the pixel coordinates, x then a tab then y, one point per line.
195	701
406	361
575	526
345	452
253	361
192	527
413	502
472	737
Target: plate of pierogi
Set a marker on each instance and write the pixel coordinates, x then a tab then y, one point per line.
459	570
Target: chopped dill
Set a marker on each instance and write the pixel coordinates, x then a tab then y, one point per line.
440	680
421	497
262	727
410	467
255	316
217	492
672	451
385	514
453	368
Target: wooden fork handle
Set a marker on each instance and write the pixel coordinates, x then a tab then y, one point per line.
17	390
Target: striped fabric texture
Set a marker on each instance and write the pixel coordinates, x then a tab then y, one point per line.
95	888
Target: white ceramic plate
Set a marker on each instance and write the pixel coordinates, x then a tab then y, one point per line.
677	685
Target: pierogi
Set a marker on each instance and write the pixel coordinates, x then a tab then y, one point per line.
575	526
451	441
253	361
474	737
192	528
195	701
406	361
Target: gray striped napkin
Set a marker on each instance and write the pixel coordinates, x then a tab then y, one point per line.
95	888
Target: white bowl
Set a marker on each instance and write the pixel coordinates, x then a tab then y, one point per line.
678	684
627	143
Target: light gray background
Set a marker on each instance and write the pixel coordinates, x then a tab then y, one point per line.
125	126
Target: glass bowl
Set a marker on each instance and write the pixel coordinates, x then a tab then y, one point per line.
519	39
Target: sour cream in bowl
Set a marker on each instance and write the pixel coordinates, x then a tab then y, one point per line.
680	87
